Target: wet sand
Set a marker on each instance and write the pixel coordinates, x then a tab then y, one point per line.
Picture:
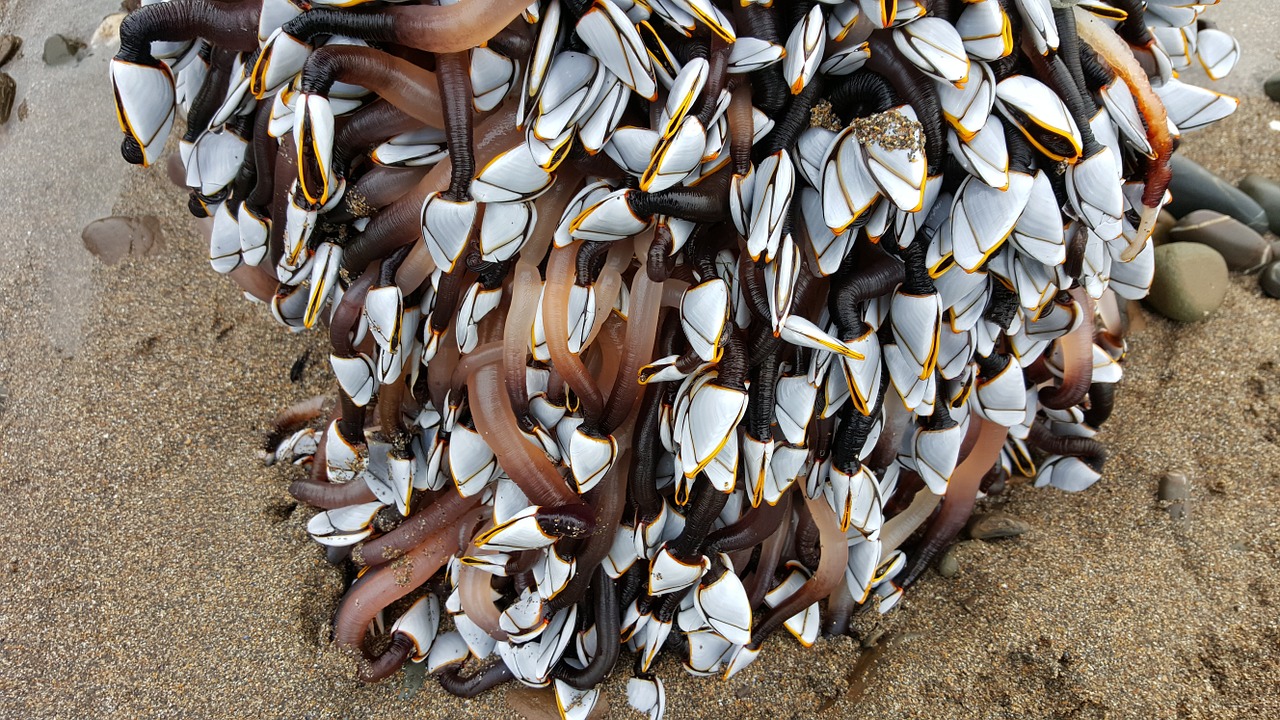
151	566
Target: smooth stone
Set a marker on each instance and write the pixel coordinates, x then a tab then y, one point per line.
948	564
1164	223
1175	490
1267	194
1174	486
1240	246
8	91
60	49
1272	87
9	47
996	525
1195	188
1269	280
1190	281
111	239
108	33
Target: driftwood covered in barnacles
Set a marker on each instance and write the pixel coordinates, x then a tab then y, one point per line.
659	319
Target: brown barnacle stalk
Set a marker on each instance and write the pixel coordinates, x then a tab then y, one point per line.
1077	359
1117	55
829	573
431	28
377	589
404	85
1092	452
957	504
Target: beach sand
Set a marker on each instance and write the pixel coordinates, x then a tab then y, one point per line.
151	565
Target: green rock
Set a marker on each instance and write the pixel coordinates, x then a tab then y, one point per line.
1190	281
1267	194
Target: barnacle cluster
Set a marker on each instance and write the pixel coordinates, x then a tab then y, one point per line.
670	323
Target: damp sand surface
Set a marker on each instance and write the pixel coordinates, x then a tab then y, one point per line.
151	566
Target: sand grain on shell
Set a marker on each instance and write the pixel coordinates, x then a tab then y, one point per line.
152	567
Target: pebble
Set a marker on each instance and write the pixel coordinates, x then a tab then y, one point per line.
60	49
1240	246
948	564
1190	281
1269	280
1174	490
9	47
996	525
1164	223
1195	188
1272	87
8	90
108	33
1267	194
111	239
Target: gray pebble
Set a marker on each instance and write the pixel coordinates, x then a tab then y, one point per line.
9	47
1240	246
1190	281
948	564
60	49
996	525
1174	486
1272	87
1269	280
1175	490
1267	194
1195	188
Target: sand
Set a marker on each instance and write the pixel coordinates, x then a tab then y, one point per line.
151	566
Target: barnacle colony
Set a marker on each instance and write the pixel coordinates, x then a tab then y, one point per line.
672	322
